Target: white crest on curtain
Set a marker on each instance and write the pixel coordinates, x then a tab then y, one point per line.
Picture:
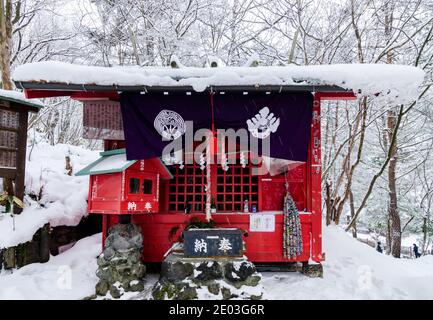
169	124
263	124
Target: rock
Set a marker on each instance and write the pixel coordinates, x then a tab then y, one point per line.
101	261
252	281
226	293
209	271
312	270
121	244
119	266
115	292
189	278
239	271
176	271
103	273
108	253
187	293
214	288
138	270
134	257
102	288
119	261
253	297
163	290
136	285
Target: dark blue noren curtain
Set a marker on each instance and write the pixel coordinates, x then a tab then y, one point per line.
139	111
291	111
284	118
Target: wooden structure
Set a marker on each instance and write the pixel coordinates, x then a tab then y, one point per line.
14	114
265	227
119	186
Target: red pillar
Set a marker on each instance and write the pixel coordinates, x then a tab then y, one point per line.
315	183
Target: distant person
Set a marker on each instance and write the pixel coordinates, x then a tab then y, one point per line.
379	247
415	251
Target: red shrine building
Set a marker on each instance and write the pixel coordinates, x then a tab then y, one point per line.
159	196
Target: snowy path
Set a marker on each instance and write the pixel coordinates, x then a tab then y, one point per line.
353	270
70	275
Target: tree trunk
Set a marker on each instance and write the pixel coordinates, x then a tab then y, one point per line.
388	235
328	202
394	217
352	213
6	43
5	61
424	235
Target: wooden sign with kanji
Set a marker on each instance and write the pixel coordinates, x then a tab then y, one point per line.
102	119
213	242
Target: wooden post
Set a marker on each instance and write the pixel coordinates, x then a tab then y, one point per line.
9	258
21	158
44	243
315	179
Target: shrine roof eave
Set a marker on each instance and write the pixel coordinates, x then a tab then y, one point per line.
38	89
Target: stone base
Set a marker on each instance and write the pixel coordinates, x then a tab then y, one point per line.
312	270
119	266
207	278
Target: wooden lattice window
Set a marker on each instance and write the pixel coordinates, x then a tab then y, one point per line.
229	188
234	186
187	188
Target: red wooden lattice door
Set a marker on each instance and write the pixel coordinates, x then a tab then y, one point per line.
229	188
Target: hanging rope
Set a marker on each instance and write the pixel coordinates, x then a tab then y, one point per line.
209	154
211	95
292	246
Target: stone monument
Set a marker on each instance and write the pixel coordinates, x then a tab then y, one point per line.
119	266
210	265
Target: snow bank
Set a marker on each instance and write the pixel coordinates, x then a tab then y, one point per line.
19	97
393	81
354	270
70	275
63	200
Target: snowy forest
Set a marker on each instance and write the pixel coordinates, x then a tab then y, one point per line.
377	160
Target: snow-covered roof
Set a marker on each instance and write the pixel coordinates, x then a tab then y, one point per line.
111	162
18	97
367	79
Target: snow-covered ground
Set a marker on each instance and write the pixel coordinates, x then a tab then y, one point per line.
62	197
352	270
70	275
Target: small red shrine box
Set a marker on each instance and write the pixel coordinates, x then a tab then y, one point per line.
121	186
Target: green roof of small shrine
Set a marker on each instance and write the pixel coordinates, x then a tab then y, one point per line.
112	161
19	98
